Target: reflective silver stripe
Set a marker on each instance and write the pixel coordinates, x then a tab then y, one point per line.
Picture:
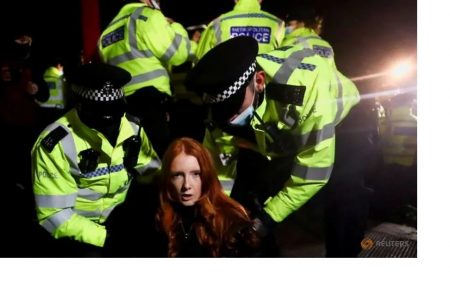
153	164
315	137
312	173
148	76
133	54
227	184
339	101
290	64
301	40
217	31
252	15
95	213
54	201
312	37
188	43
173	47
56	220
88	213
132	28
68	145
89	194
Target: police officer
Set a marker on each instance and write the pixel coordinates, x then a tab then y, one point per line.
83	164
141	40
246	19
280	111
396	185
55	106
346	212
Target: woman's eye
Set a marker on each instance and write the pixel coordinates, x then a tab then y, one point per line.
197	173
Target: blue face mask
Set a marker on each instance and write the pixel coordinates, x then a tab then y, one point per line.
289	29
244	117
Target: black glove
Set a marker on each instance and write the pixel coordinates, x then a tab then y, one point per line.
263	224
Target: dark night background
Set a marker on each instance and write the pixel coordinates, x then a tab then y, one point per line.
366	35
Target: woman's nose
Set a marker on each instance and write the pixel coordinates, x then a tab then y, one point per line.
186	183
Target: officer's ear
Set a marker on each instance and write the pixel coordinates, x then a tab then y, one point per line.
260	81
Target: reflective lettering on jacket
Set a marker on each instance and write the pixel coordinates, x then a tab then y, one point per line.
74	204
141	41
261	34
247	19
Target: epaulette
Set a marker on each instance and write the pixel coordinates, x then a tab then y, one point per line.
53	138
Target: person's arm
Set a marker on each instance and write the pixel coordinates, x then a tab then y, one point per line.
311	171
55	193
168	41
314	162
148	164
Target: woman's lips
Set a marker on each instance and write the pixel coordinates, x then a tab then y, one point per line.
186	197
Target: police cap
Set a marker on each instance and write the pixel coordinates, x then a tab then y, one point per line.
99	82
223	74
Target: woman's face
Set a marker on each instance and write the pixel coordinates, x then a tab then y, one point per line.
185	179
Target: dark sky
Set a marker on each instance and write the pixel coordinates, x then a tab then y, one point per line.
366	35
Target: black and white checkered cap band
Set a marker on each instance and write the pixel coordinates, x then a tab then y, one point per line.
105	94
231	90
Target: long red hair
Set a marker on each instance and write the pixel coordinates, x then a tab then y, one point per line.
218	217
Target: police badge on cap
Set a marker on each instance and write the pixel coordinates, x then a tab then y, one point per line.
100	83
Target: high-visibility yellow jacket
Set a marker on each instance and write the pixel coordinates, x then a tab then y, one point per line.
345	90
398	133
314	133
141	41
55	81
246	18
73	204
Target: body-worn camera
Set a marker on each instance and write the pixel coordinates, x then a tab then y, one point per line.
89	160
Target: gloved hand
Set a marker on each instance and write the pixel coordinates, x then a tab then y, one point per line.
263	224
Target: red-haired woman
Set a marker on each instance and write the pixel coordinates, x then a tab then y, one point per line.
198	219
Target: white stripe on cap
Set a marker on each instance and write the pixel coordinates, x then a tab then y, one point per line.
105	94
231	90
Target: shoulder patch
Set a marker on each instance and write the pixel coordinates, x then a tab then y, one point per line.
53	138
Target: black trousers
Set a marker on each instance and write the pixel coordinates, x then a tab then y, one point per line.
346	197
